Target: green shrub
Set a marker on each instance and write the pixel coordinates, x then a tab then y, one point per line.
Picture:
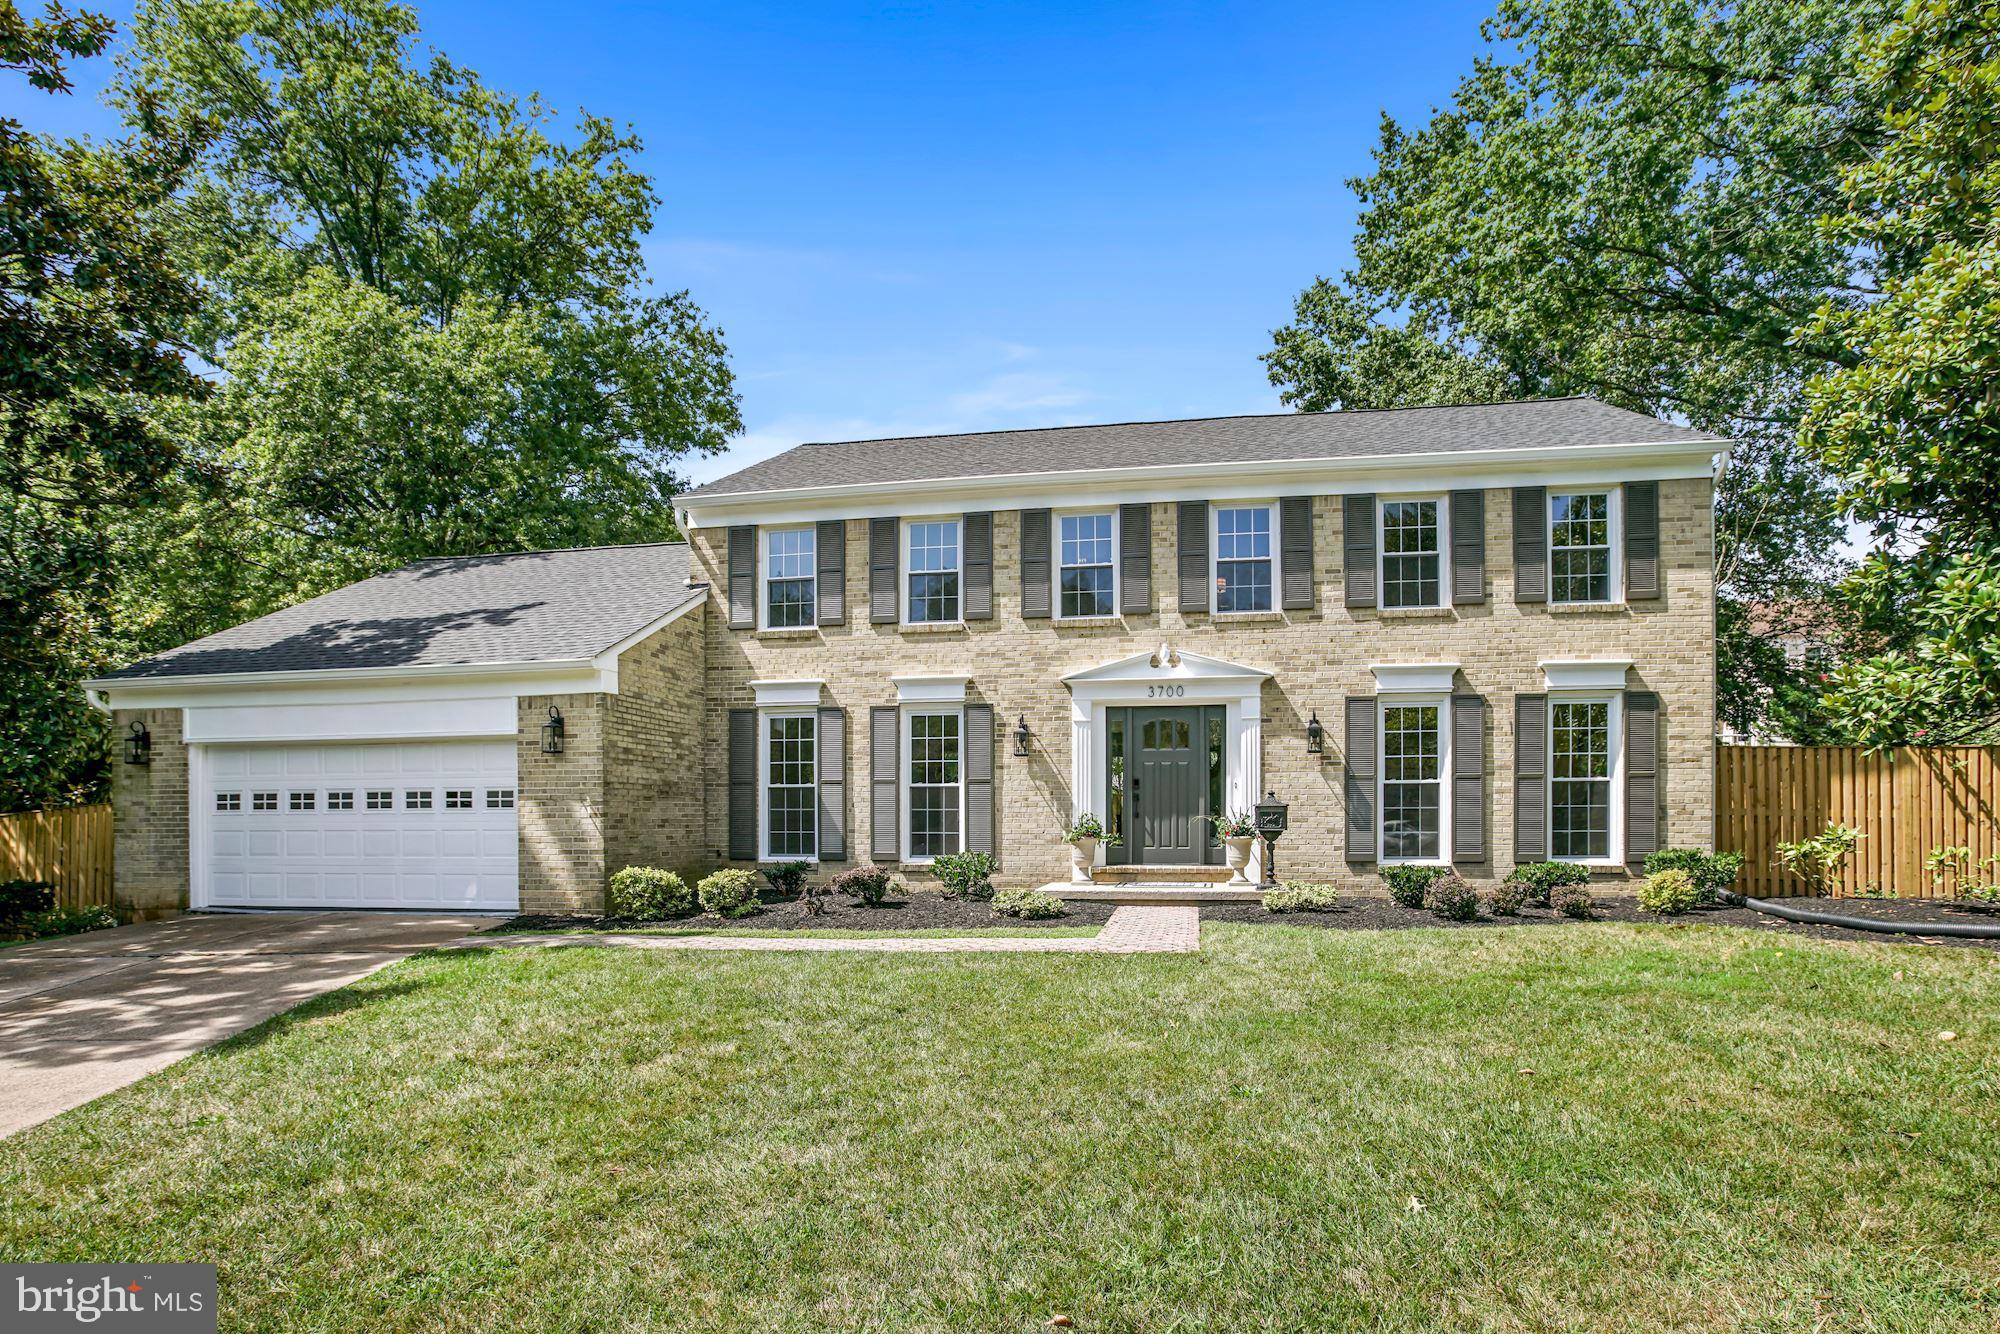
1573	900
787	879
1298	897
1822	859
1507	898
1543	877
18	898
1711	872
730	892
1668	893
647	894
1451	898
1407	884
868	882
1029	903
65	921
966	874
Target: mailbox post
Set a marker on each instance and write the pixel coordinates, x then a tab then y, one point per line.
1273	818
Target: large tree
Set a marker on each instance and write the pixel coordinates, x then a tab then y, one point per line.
1912	425
1624	200
430	308
89	304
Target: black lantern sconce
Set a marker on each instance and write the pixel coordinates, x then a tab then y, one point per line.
1273	819
139	745
1022	736
552	732
1315	736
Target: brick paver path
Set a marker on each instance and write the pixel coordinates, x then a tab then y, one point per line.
1133	929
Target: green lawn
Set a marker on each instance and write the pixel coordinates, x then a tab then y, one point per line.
1603	1127
828	933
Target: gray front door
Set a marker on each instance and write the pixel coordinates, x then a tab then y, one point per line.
1169	787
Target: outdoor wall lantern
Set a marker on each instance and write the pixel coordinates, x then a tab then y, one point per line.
139	745
1315	735
552	732
1273	819
1022	736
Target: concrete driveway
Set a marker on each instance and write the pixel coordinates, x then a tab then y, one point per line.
83	1016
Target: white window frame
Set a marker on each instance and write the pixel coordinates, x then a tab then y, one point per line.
1614	510
1056	561
765	717
905	567
903	785
1615	721
1443	502
1402	700
764	536
1215	509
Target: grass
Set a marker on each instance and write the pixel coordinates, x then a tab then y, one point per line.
1628	1127
830	933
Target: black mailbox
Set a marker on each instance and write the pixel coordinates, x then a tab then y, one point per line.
1273	819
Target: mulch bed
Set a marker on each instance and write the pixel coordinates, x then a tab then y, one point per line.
916	912
1368	913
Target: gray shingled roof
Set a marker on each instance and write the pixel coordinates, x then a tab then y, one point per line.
1536	424
534	606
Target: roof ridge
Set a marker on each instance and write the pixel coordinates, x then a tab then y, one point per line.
538	551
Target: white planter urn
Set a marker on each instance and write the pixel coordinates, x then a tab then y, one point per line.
1082	856
1236	851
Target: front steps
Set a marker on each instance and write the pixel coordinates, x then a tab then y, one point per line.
1158	885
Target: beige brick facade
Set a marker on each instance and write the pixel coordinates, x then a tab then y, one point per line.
1316	658
149	805
656	777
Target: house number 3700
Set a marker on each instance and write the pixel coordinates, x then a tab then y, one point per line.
1165	692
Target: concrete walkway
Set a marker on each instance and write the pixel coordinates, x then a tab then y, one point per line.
1151	929
85	1015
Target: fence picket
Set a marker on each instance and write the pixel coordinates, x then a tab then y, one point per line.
69	848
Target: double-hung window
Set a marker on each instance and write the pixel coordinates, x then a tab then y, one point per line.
791	558
1412	547
791	786
1085	578
1581	764
931	557
1414	755
1245	539
936	796
1580	545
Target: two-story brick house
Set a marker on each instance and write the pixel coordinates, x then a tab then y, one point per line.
1475	635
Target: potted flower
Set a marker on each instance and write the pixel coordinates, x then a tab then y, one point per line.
1238	836
1082	839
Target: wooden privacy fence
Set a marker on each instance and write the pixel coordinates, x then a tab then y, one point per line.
1907	801
69	848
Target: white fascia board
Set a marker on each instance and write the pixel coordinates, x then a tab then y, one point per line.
357	684
1426	678
930	689
1572	674
1569	465
787	694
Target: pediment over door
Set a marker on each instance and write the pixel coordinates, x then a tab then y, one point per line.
1166	664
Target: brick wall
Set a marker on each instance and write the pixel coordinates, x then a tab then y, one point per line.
655	772
150	820
1317	658
561	806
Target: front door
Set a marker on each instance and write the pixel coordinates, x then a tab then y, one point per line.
1169	787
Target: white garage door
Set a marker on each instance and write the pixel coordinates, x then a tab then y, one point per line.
397	825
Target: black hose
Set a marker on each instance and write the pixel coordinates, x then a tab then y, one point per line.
1971	930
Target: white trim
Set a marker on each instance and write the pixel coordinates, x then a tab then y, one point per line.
1615	722
904	753
1428	678
1442	703
1570	674
1268	504
930	689
1440	499
764	717
1614	525
1056	517
796	694
904	570
764	535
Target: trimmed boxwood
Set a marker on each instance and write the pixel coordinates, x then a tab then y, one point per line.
1408	884
730	892
1668	893
1542	877
1294	896
867	882
647	894
1711	872
1028	903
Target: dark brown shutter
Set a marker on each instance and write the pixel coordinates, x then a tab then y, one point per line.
979	778
1360	783
833	785
1357	542
977	555
1531	769
884	561
1531	544
1468	778
1034	563
1642	539
1135	558
1468	547
1194	555
831	541
1295	545
1642	774
743	784
884	831
743	577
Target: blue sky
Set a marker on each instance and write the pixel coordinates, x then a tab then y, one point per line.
918	218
